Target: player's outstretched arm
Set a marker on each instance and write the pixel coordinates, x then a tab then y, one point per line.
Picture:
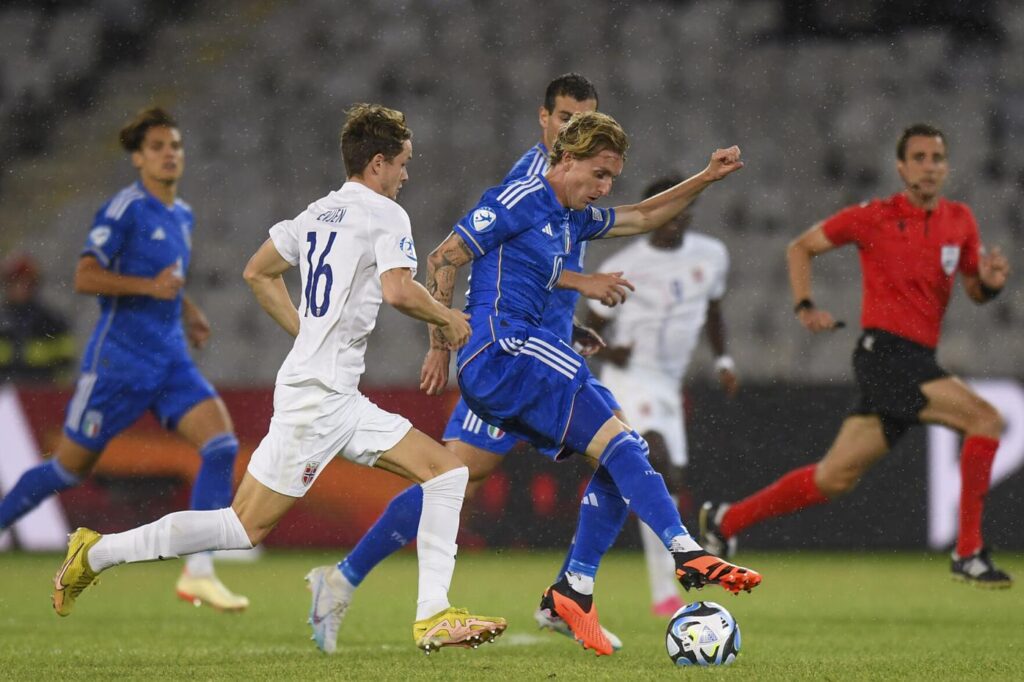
798	261
652	213
443	264
607	287
92	278
993	271
263	273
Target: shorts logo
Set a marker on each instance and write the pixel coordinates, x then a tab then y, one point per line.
309	473
92	422
495	433
483	218
868	343
406	246
158	234
99	235
950	258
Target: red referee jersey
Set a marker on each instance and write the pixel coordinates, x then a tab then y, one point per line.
909	258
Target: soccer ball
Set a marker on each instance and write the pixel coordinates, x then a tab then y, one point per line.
703	633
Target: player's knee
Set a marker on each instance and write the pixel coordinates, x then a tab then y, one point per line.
832	482
987	421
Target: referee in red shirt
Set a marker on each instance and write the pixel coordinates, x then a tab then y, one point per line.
911	246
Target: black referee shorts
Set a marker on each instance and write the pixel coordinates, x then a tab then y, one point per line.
889	371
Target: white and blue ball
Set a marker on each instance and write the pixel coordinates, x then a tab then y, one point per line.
702	633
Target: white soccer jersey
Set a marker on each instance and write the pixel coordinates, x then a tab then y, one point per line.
342	244
663	318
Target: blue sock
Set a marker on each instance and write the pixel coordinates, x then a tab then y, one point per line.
602	513
212	489
642	486
34	486
395	528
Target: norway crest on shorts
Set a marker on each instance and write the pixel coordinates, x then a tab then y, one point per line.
950	257
309	472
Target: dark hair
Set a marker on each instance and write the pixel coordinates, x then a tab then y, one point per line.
569	84
371	129
922	129
662	184
133	134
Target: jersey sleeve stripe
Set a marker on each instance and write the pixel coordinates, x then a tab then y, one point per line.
122	201
100	256
522	192
464	233
609	223
516	191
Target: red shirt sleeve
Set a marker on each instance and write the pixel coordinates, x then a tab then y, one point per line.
848	225
971	248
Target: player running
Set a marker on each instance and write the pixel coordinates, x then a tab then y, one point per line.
353	248
680	277
522	378
911	245
134	260
478	445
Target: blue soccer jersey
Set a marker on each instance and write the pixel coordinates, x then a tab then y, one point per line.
464	425
513	373
521	236
136	234
136	359
561	306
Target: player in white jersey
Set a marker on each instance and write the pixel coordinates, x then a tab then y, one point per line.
354	249
680	279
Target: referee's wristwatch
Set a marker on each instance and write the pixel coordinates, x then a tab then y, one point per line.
803	304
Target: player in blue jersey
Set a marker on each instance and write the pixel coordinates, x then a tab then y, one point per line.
480	446
134	260
525	380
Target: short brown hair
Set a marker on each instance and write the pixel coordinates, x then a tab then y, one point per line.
133	134
587	134
917	129
371	129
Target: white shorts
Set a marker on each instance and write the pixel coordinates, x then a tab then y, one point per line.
651	403
311	425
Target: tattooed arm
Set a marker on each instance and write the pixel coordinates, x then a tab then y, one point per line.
442	266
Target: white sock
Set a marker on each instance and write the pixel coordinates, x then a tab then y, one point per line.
435	541
584	584
661	567
177	534
684	543
199	565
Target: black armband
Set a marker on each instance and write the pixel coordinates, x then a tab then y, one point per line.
804	304
988	292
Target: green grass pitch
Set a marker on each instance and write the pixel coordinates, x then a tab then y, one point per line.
816	617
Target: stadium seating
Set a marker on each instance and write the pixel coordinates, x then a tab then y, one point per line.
260	90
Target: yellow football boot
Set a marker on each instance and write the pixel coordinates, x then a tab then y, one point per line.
75	574
209	590
456	627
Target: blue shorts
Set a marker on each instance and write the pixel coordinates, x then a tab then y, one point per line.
525	382
105	404
464	425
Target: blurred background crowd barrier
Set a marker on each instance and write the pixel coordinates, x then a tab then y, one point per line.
909	500
814	92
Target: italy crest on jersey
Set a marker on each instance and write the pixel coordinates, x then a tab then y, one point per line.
495	433
950	257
